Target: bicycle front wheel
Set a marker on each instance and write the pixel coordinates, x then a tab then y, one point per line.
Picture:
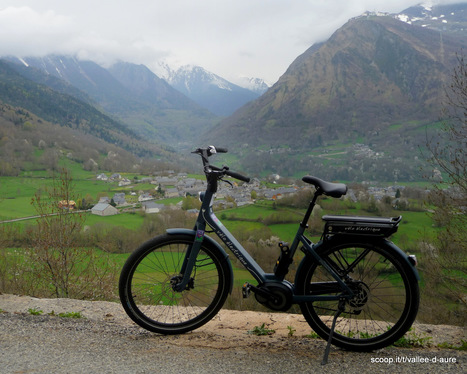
385	302
147	280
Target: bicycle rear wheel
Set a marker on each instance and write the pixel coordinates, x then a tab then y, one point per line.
148	276
385	302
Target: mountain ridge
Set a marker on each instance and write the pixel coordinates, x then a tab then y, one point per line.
320	83
165	115
373	75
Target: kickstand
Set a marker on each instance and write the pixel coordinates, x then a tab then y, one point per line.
331	333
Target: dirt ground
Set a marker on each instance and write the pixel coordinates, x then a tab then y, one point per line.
229	329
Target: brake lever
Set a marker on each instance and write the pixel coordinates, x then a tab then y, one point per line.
226	181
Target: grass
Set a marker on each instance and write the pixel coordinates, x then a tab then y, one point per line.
261	330
243	226
38	312
285	231
129	221
247	212
67	314
412	340
461	347
35	311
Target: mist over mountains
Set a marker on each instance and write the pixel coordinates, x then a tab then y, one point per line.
356	106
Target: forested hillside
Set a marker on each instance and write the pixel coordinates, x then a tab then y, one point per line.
39	125
130	93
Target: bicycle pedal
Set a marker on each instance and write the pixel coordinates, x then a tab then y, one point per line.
246	290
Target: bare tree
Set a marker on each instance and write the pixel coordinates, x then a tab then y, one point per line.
445	266
61	263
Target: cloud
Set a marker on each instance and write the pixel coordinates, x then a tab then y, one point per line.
24	29
259	38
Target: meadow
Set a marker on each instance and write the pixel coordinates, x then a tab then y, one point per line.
264	219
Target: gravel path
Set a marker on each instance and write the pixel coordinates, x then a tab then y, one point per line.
107	342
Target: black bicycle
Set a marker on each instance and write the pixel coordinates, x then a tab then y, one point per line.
355	288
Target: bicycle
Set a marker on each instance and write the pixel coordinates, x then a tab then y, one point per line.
355	288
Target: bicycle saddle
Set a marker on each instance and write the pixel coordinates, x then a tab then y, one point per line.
328	188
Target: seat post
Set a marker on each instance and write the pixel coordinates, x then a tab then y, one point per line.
304	223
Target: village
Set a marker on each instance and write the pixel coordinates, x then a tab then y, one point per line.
229	195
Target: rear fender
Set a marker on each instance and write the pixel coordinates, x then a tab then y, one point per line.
343	239
210	242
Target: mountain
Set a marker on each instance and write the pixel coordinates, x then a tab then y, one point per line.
218	95
53	106
375	80
129	92
257	85
444	18
34	117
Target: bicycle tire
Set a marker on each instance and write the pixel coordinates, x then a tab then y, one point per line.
146	291
386	297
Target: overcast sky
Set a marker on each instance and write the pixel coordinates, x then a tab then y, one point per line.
254	38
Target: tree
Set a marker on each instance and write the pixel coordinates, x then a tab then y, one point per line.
60	264
398	194
445	267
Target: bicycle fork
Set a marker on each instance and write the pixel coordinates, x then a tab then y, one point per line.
181	282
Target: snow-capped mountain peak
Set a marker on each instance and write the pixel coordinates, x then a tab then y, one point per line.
438	17
191	76
257	85
206	88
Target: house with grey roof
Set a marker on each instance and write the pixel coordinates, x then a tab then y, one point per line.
152	207
104	209
145	197
172	192
119	198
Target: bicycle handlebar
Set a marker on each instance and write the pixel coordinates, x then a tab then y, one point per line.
237	176
205	153
221	150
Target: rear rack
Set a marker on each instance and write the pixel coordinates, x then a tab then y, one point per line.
356	225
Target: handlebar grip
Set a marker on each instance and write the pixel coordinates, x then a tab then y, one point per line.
237	176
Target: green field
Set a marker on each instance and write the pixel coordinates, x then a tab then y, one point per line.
261	220
16	194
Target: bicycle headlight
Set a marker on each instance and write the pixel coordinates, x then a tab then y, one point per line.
201	196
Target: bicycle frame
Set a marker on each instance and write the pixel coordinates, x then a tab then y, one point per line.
207	216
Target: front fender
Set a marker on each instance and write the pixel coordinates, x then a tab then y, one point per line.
210	242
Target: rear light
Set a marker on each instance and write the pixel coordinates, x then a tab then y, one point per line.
413	260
